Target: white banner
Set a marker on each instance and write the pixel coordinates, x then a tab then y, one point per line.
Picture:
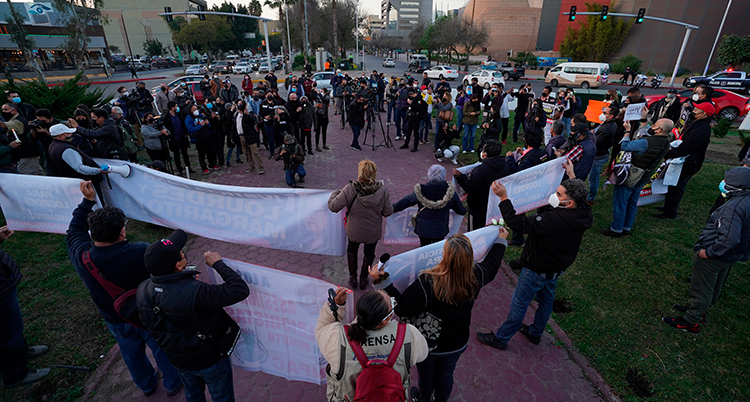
528	189
405	267
38	203
286	219
278	322
399	230
465	170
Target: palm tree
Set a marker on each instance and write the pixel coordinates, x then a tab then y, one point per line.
282	17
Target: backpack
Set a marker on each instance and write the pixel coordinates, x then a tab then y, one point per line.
124	300
378	381
127	141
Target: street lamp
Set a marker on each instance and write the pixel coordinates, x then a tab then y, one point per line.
145	31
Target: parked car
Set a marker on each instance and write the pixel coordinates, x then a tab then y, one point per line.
196	69
735	80
418	66
221	67
389	62
587	75
139	66
441	72
323	80
243	68
729	105
485	78
507	69
264	67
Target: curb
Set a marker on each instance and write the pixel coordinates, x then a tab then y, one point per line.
588	371
101	370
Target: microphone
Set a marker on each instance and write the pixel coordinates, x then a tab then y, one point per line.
383	259
332	303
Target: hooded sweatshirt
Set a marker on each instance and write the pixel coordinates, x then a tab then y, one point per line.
368	204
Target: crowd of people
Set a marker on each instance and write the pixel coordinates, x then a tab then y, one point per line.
256	118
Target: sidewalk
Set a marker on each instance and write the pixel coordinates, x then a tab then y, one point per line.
550	371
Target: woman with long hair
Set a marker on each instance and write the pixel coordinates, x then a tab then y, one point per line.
367	201
447	291
375	331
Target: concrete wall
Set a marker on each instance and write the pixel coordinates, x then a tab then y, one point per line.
513	24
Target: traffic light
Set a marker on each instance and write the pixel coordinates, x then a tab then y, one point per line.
263	42
168	10
201	17
605	11
572	14
641	16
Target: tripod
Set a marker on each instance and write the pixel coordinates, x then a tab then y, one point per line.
387	143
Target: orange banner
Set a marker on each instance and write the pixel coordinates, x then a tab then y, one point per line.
594	109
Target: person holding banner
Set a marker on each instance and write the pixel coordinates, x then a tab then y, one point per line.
374	332
435	199
367	202
477	183
448	292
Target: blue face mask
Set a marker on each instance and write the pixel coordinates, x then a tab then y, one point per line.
177	109
16	100
723	188
294	89
209	105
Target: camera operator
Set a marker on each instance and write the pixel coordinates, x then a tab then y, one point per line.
29	151
294	108
357	110
381	90
155	139
123	125
306	123
400	110
143	100
124	102
416	113
294	157
391	94
182	99
106	134
349	91
213	111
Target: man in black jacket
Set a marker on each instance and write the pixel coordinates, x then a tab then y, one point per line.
552	246
416	113
357	110
724	240
106	134
695	137
605	138
666	108
179	140
477	183
121	262
187	317
13	365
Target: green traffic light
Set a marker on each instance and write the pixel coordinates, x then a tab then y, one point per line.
604	17
573	17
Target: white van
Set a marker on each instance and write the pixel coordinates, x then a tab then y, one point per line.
585	75
233	57
417	57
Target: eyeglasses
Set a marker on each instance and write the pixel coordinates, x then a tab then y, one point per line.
393	309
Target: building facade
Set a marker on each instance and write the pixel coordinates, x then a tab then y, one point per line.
399	17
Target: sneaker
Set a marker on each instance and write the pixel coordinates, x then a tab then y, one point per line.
463	152
206	171
455	162
317	149
325	146
664	216
239	161
405	146
216	167
490	339
150	392
682	325
191	170
32	377
302	179
684	308
398	137
610	233
439	159
175	391
355	148
505	142
310	152
229	165
261	171
36	351
524	330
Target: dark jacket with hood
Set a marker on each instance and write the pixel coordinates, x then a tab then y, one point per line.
605	137
554	236
696	136
437	199
477	183
368	204
107	138
726	235
307	116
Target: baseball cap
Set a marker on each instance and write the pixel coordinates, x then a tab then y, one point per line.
674	91
706	107
58	129
161	256
580	128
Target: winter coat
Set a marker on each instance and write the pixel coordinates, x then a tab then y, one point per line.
605	137
296	159
370	203
306	119
696	136
469	108
162	98
357	114
437	199
151	137
230	95
477	183
107	138
439	107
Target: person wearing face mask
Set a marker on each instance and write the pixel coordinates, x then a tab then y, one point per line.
179	141
701	94
66	160
357	110
294	108
293	156
695	136
472	109
205	86
163	96
321	119
25	110
145	99
246	123
647	154
415	115
229	92
724	240
605	138
266	117
152	139
554	239
477	183
106	134
306	122
273	82
199	128
122	103
580	149
247	84
17	129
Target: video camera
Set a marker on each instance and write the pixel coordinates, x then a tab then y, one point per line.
158	123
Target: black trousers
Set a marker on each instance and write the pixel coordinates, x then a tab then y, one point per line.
674	196
322	127
180	148
412	126
158	154
423	241
505	121
206	151
306	136
218	141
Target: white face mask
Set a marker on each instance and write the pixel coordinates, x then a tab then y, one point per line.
126	93
602	117
696	97
196	113
555	202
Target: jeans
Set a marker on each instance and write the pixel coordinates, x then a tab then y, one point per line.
705	286
436	374
391	109
12	345
400	120
459	118
271	135
299	170
566	121
467	142
133	343
596	170
424	128
218	378
625	206
517	124
530	285
674	195
355	135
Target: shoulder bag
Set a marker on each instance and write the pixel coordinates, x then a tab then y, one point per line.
427	323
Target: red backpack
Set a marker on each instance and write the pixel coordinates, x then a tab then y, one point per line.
124	300
378	381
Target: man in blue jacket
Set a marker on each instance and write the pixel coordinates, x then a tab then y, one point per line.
121	262
724	240
200	129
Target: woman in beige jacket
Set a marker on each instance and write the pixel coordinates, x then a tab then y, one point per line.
368	202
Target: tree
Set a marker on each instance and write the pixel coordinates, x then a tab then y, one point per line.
595	40
153	47
734	51
241	26
76	19
524	59
281	4
113	49
472	35
20	37
206	36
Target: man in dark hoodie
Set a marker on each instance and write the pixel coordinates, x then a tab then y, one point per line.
106	134
724	240
306	122
605	138
554	240
477	182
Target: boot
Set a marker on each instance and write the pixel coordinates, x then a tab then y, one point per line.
351	259
364	275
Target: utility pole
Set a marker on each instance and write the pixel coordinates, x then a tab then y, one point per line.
718	34
127	40
288	39
307	36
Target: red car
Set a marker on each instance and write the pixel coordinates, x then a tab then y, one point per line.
729	105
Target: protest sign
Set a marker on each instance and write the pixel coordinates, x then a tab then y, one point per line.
399	230
278	322
528	189
286	219
634	111
405	267
39	203
464	170
594	109
745	125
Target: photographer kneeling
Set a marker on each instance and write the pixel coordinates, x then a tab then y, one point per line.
155	138
294	158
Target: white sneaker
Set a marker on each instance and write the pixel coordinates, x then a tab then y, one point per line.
454	161
439	159
463	152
